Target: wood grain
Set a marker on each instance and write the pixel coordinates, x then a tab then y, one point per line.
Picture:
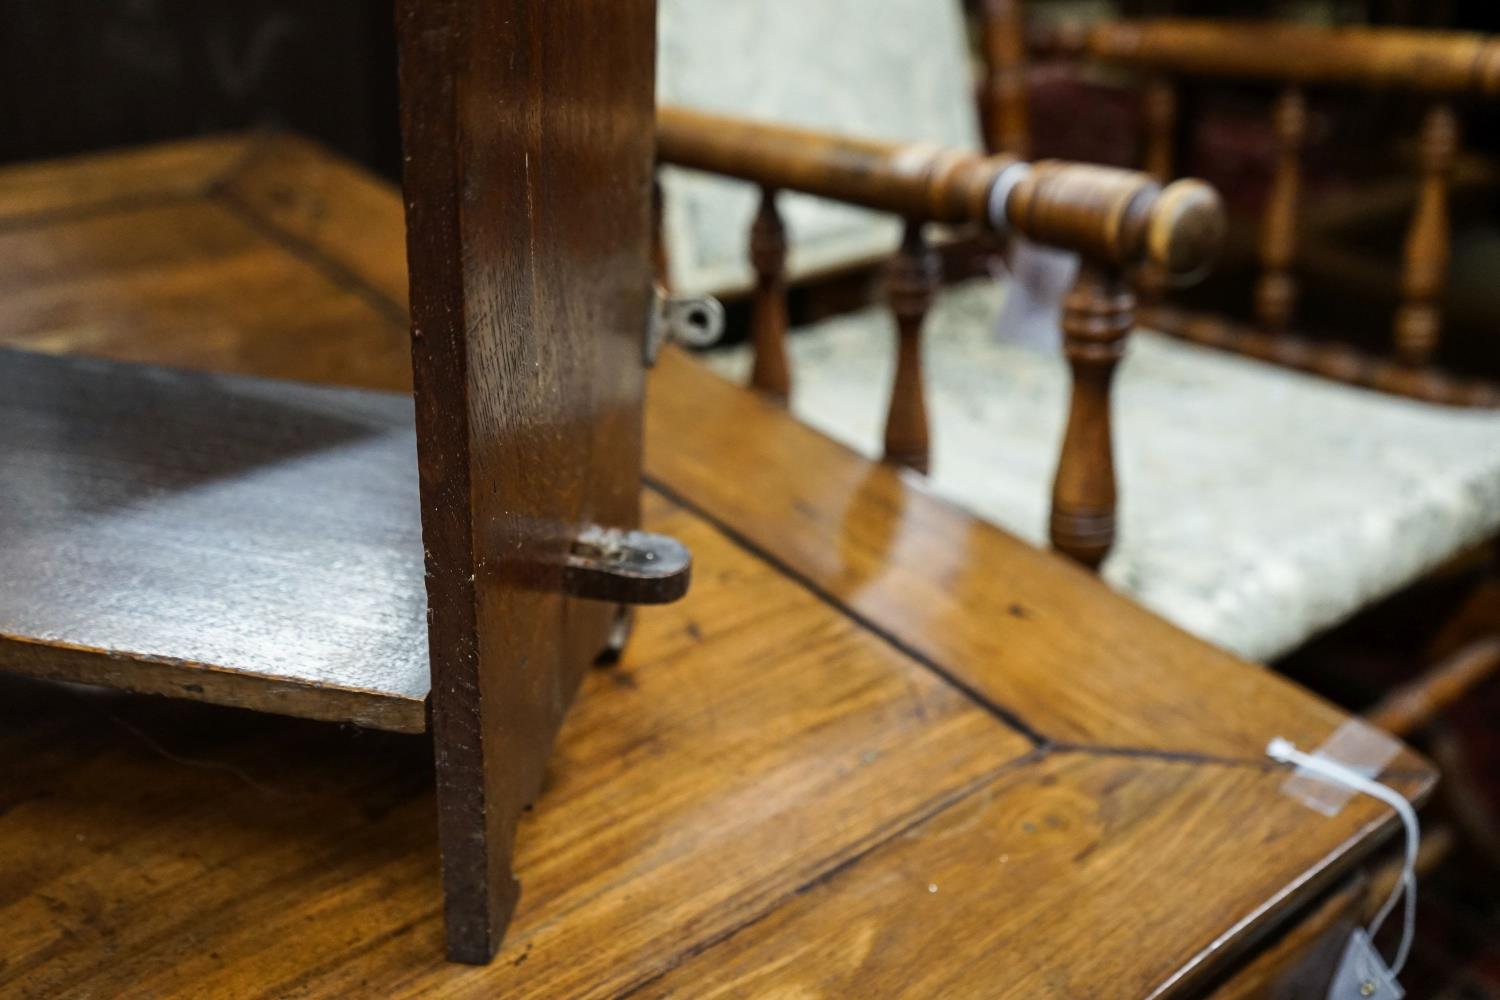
527	126
858	666
1064	836
752	740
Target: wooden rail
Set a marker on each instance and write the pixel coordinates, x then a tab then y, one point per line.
1117	220
1433	62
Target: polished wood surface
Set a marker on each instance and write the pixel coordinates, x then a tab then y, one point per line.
527	186
866	694
241	541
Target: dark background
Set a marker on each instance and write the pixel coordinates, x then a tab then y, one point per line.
79	75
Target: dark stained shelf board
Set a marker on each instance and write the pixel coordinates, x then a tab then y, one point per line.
235	540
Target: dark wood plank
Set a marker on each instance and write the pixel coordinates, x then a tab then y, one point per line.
1076	875
752	740
529	155
212	537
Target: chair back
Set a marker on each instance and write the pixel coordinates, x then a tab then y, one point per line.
883	69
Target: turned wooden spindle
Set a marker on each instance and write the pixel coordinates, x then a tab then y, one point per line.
1007	121
1276	292
1116	220
1097	314
771	373
1425	265
911	285
1159	111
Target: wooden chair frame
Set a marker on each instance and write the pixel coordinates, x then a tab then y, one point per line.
1116	220
1443	67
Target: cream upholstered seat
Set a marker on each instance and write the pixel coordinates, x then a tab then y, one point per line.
1258	506
859	67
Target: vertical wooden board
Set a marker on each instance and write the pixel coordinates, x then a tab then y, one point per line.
529	147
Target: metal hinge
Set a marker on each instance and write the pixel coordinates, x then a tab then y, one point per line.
627	567
694	321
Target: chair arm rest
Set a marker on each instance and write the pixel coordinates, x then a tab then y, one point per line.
1113	217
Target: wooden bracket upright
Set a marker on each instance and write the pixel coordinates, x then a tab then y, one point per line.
528	129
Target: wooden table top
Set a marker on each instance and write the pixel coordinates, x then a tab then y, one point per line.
882	748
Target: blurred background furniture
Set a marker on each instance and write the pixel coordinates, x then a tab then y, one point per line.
1310	211
1237	479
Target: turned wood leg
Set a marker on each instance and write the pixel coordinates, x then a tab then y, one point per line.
913	282
1007	123
1425	264
1097	315
768	323
1159	111
1276	293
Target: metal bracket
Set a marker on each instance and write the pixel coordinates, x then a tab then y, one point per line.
627	567
696	322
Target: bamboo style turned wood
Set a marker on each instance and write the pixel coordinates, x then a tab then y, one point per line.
912	284
768	319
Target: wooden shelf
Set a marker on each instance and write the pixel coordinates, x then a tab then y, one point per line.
234	540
